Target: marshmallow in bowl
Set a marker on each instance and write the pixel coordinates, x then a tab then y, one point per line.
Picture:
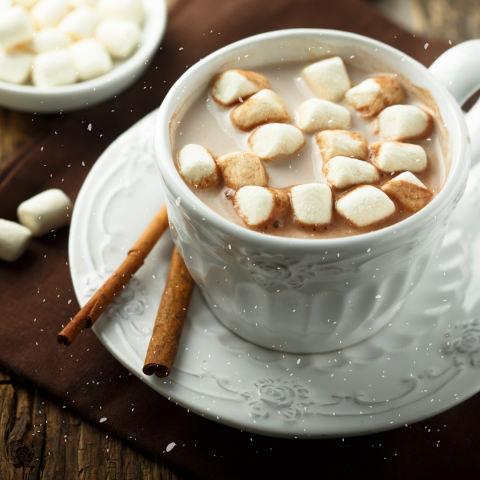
334	143
312	204
409	191
48	39
402	122
374	94
241	169
197	166
48	13
15	27
263	107
15	67
53	68
119	37
232	86
343	172
80	23
316	114
91	59
259	205
13	240
26	3
328	79
80	3
122	9
45	212
276	140
365	206
397	157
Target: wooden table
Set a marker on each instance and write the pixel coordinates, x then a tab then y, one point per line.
34	428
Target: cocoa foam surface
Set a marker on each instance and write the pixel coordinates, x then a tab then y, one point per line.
206	123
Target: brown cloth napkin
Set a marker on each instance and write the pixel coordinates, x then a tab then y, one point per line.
37	296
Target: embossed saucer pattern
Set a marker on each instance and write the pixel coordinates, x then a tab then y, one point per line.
426	361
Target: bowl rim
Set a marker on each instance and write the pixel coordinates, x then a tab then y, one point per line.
154	27
196	208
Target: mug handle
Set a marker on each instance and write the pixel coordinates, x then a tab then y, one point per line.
458	69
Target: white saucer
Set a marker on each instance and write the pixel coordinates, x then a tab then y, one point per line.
425	362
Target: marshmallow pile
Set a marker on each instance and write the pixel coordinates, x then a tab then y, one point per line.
60	42
356	186
38	216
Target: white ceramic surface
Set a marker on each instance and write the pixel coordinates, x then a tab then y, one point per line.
28	98
426	361
309	295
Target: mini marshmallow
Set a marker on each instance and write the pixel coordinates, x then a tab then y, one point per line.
45	212
231	86
15	27
49	39
122	9
48	13
258	205
80	3
365	206
197	166
374	94
397	157
91	59
316	114
263	107
276	140
312	204
26	3
80	23
4	4
53	68
343	172
328	79
409	191
15	67
119	37
13	240
334	143
240	169
401	122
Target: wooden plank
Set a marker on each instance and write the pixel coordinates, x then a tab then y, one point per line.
455	20
7	411
42	440
16	129
55	452
39	418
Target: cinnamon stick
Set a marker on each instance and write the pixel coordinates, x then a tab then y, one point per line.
170	319
89	314
79	321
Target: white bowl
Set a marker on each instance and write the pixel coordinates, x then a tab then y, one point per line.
28	98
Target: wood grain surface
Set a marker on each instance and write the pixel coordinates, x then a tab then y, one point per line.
17	129
455	20
39	438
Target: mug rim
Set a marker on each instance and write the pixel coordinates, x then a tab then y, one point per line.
196	208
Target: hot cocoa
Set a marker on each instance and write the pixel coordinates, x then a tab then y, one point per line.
310	150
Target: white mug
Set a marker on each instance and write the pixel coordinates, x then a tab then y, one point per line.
310	296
